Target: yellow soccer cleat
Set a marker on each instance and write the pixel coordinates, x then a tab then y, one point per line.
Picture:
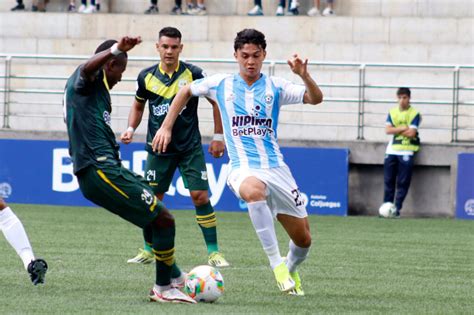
143	257
282	275
216	259
298	290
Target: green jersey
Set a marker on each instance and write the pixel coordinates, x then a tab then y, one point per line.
159	89
87	109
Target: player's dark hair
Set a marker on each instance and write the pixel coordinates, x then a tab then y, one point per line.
106	45
169	31
404	91
249	36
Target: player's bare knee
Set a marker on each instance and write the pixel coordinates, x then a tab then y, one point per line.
303	241
199	197
164	220
3	204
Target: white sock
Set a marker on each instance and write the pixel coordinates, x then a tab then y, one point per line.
15	234
262	220
161	288
296	255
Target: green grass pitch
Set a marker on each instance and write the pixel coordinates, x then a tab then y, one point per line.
357	265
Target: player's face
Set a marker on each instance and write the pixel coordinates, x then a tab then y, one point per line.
250	58
169	49
403	101
114	70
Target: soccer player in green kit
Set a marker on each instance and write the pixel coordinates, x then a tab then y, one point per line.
158	85
102	178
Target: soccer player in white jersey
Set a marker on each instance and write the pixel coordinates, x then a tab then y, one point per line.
249	103
15	234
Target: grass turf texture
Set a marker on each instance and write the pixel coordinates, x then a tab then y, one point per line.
356	265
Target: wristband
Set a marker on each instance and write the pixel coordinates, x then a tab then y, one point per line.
114	50
218	137
131	129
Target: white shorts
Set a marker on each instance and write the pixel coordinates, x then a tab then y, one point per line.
283	195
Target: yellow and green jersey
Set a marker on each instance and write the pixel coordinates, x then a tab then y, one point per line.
410	118
159	89
87	109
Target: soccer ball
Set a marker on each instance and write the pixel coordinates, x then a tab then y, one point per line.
387	210
204	284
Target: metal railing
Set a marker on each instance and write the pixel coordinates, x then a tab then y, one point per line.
8	88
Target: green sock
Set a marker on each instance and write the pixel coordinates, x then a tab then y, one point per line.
163	248
206	218
148	238
175	271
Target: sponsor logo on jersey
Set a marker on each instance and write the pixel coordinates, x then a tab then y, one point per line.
107	118
268	99
204	175
160	110
247	125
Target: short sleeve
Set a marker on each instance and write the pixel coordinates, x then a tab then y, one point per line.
141	93
197	72
207	86
82	85
415	123
389	121
290	93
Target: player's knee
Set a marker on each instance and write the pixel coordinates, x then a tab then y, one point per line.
253	194
164	220
199	197
304	241
3	204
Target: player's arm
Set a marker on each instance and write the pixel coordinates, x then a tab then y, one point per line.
391	130
163	135
217	146
412	130
134	119
313	94
96	62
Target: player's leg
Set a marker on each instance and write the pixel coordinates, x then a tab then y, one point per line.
300	243
192	166
405	171
127	195
158	173
390	169
254	192
15	234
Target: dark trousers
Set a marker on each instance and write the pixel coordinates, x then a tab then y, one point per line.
397	171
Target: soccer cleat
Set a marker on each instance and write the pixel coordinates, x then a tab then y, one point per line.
216	259
257	10
37	269
179	282
172	295
143	257
282	275
298	290
153	9
198	11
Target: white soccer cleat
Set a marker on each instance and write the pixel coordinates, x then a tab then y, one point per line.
179	282
255	11
280	11
81	8
172	295
144	257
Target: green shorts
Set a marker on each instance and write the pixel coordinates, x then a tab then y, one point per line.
120	191
159	170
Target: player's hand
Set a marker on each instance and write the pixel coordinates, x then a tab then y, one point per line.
161	140
126	137
217	148
298	66
126	43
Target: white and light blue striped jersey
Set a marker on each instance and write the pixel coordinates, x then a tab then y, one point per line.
250	115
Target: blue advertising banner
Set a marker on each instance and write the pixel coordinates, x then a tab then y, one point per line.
465	187
40	172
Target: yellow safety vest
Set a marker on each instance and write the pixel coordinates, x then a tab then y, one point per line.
404	118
